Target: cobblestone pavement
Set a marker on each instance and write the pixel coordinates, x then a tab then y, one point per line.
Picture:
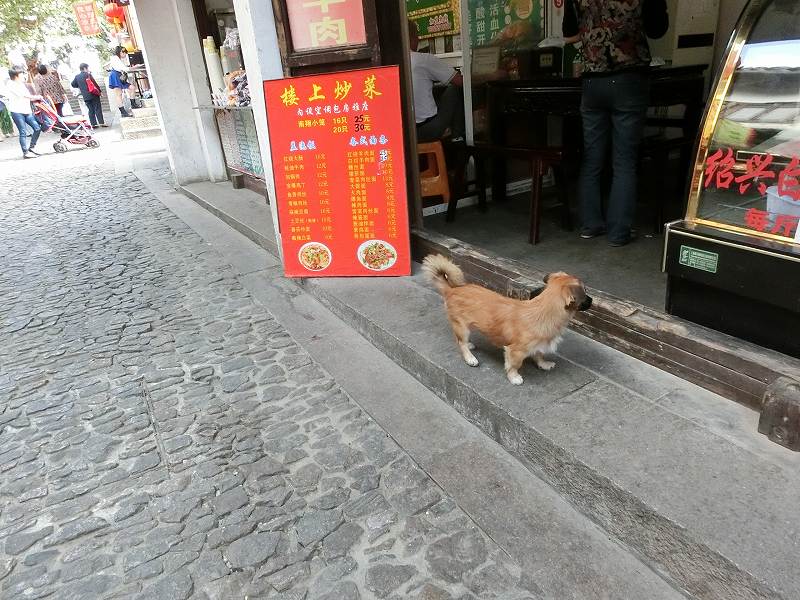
162	436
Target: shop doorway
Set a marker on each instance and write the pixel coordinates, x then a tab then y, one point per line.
521	94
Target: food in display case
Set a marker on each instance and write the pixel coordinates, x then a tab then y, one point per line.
733	262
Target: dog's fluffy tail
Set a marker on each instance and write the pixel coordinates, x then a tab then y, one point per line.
442	272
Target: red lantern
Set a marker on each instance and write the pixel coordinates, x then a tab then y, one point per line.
113	11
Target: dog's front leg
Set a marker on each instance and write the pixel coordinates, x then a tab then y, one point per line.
544	365
514	358
466	353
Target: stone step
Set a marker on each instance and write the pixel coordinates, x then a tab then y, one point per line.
149	102
139	133
138	122
145	112
676	473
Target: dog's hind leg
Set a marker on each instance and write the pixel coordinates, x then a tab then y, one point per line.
544	365
461	332
514	357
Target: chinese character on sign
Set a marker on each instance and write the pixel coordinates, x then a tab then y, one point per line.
324	5
789	180
342	89
289	96
785	225
328	32
316	95
719	169
756	168
370	88
756	219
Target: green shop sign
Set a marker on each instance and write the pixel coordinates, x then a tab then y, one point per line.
510	24
434	18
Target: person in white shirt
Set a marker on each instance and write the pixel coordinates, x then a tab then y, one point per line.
435	120
19	105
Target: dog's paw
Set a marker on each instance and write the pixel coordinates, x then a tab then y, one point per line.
515	379
471	361
546	365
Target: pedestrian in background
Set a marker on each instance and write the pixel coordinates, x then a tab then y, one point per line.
47	83
90	91
19	105
118	79
614	99
6	127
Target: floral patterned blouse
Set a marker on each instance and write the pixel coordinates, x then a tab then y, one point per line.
50	86
614	32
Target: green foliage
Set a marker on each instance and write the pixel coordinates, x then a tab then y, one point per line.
28	24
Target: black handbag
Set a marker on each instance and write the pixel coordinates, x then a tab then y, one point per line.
123	77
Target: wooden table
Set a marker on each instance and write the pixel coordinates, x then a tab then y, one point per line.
537	99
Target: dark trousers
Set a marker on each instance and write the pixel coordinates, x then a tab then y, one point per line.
59	108
21	120
449	115
612	106
95	111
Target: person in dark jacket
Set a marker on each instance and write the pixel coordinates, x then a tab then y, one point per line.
615	96
92	101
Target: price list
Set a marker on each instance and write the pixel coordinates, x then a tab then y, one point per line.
337	152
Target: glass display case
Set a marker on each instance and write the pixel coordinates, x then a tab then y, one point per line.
733	262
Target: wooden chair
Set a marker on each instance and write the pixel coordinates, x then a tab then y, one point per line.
433	180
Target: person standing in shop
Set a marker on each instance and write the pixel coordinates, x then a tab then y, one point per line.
615	96
118	79
90	91
47	84
19	105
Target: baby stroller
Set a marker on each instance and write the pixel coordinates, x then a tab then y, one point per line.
74	130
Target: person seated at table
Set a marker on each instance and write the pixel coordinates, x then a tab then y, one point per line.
435	120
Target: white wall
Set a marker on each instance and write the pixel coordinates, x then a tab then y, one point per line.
175	64
262	59
729	11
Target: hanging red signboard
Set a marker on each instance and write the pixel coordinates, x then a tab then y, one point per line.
326	23
337	156
87	18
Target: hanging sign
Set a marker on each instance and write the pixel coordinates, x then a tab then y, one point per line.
337	156
86	16
434	18
326	23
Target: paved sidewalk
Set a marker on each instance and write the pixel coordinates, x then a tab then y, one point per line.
162	436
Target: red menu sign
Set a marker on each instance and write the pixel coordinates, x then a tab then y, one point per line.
87	18
337	155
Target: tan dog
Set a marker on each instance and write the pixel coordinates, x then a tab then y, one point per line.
521	327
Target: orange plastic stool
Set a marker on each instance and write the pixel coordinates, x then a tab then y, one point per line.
433	180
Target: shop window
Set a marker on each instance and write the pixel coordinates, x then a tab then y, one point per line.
748	174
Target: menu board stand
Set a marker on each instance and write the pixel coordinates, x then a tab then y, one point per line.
337	156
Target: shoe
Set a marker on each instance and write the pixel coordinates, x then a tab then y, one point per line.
623	241
29	155
589	233
32	151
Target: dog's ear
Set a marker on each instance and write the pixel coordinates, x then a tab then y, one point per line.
574	296
546	278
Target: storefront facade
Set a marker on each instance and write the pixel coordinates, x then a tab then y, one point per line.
274	44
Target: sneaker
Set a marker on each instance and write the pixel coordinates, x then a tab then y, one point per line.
589	233
29	155
32	151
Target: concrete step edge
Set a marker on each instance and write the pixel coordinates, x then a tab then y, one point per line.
669	548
